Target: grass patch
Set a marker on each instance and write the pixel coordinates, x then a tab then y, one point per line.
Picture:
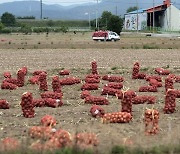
114	68
146	46
162	149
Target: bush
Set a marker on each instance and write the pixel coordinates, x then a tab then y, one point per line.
25	29
5	31
1	26
64	29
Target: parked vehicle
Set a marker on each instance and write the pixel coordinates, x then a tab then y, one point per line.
105	36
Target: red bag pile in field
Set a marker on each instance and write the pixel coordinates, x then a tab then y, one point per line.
64	72
48	121
7	74
7	85
56	86
69	81
162	71
9	144
136	72
95	76
112	78
51	94
148	89
84	140
126	102
34	79
50	102
21	77
24	70
98	100
115	85
109	91
90	86
11	80
97	111
117	117
27	105
38	72
158	78
39	102
84	94
60	139
119	94
144	99
169	82
92	80
12	83
177	93
151	119
177	78
43	82
4	104
41	132
170	101
155	83
47	102
94	67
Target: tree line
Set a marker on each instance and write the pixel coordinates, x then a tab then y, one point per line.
107	21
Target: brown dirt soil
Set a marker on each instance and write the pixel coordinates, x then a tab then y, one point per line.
74	115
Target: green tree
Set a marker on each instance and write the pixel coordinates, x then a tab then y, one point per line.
115	24
8	19
130	9
103	21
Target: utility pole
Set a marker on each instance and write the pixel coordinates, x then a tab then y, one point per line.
170	16
153	16
41	9
137	20
116	10
97	15
89	20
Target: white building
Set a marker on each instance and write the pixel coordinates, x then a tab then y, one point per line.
166	17
136	20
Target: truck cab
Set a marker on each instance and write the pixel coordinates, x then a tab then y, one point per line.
105	36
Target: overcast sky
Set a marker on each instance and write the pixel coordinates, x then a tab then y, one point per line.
70	2
61	2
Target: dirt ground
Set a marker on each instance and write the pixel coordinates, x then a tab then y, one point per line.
83	40
76	54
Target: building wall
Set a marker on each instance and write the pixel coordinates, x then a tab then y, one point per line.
131	21
172	19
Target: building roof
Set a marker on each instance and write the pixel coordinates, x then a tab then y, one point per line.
164	6
137	11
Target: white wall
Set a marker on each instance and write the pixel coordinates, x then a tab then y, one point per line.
131	21
172	19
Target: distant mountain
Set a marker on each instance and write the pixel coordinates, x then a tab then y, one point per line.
72	12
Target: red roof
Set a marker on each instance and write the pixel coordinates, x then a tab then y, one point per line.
164	6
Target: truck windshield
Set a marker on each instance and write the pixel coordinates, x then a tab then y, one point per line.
114	34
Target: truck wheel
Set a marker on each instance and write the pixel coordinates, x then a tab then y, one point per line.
113	40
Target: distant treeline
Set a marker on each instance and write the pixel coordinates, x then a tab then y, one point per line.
52	23
26	17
